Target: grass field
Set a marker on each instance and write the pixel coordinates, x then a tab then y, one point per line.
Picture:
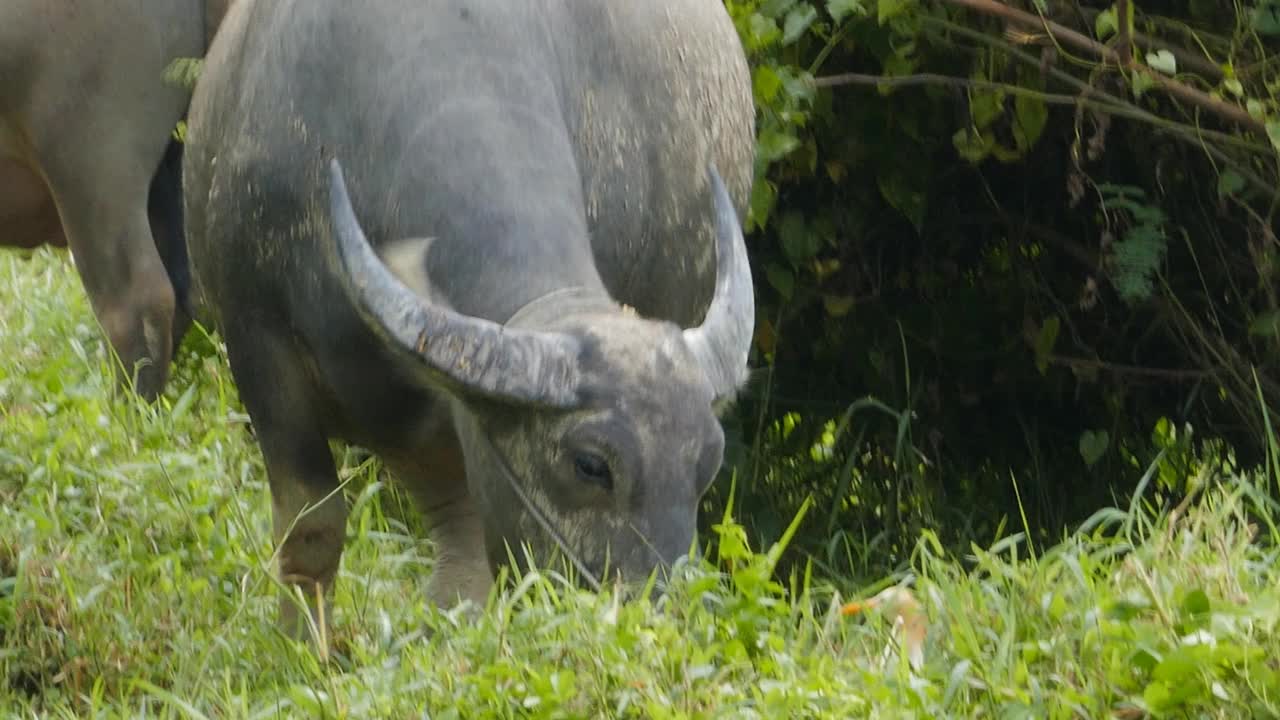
136	581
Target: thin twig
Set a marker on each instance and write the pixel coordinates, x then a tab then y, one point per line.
1189	94
1121	369
1092	98
1185	133
1131	110
945	80
1124	45
1186	58
1060	32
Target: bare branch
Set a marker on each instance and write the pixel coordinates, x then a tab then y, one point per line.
944	80
1124	49
1186	58
1194	136
1089	97
1065	34
1077	363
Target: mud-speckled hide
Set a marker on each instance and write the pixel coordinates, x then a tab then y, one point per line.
496	241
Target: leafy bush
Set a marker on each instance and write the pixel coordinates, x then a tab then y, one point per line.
1029	228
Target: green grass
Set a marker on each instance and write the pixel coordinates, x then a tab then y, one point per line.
136	580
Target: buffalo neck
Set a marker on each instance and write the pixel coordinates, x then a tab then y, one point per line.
481	158
505	206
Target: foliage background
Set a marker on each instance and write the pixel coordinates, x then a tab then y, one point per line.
1000	266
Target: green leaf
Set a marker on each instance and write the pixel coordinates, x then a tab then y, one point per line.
775	8
798	20
971	145
837	305
896	65
1179	671
904	195
1093	445
1233	86
775	144
985	106
1266	324
765	83
763	32
781	279
1156	696
1163	61
839	9
1273	133
1196	604
1105	24
1229	183
183	72
763	195
889	9
1265	18
1126	609
1030	115
1135	260
798	85
1045	341
1004	154
798	241
1164	435
1142	82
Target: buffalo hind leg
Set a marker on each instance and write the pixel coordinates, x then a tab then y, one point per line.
436	477
109	232
308	510
165	212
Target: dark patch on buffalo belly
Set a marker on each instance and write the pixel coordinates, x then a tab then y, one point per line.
28	215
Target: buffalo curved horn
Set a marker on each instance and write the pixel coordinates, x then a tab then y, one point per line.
723	340
461	352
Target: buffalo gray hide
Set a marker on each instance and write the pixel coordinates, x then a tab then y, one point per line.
498	243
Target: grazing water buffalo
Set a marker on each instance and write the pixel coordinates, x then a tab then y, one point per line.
490	241
87	159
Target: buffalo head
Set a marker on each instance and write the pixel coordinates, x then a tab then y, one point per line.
586	429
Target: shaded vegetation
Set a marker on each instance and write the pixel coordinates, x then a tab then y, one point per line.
1040	239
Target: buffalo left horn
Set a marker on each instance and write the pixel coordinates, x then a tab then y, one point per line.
723	340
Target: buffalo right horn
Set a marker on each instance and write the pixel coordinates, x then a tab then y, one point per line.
465	353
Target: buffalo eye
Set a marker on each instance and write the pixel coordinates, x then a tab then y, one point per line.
592	468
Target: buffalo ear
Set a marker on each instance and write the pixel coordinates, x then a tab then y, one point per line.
407	260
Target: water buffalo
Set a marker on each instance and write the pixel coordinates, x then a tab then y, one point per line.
87	157
490	241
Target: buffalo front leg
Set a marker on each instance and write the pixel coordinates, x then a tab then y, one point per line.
308	510
109	233
436	477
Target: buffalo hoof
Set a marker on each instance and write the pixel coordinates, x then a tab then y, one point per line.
141	336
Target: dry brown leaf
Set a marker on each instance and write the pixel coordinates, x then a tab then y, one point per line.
909	622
